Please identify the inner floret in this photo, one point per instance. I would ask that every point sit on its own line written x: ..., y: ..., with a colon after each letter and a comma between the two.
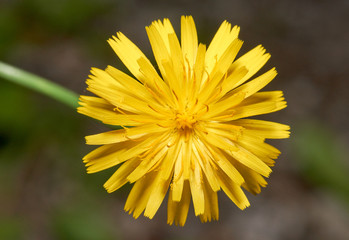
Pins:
x: 185, y: 121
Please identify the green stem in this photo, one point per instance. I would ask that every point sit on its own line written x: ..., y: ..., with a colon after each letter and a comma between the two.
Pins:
x: 39, y: 84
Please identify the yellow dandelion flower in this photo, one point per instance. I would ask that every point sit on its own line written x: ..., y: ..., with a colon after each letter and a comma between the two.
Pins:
x: 184, y: 129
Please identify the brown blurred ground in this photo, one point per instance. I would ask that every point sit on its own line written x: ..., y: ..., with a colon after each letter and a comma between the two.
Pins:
x: 45, y: 192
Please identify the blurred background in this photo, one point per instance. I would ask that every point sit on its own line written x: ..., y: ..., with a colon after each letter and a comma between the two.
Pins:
x: 45, y: 192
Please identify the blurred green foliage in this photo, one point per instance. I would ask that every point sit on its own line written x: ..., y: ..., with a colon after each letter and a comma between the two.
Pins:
x: 42, y: 141
x: 11, y: 228
x: 321, y: 157
x: 84, y: 221
x: 10, y: 29
x: 37, y: 21
x: 63, y: 15
x: 40, y: 150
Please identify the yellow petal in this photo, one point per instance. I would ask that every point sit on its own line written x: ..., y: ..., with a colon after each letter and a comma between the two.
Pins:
x: 252, y: 61
x: 213, y: 139
x: 259, y: 145
x: 124, y: 99
x: 110, y: 155
x: 228, y: 168
x: 256, y: 84
x: 189, y: 39
x: 230, y: 81
x: 220, y: 42
x: 211, y: 204
x: 154, y: 82
x: 225, y: 60
x: 129, y: 54
x: 232, y: 132
x: 138, y: 198
x: 167, y: 168
x: 164, y: 29
x: 233, y: 190
x: 271, y: 96
x: 122, y: 135
x: 219, y: 70
x: 177, y: 185
x: 157, y: 196
x: 221, y: 107
x: 158, y: 44
x: 102, y: 110
x: 176, y: 56
x: 153, y: 158
x: 243, y: 111
x: 105, y: 157
x: 132, y: 86
x: 119, y: 178
x: 196, y: 188
x: 248, y: 159
x: 264, y: 129
x: 187, y: 156
x: 177, y: 212
x: 260, y: 149
x: 199, y: 70
x: 96, y: 102
x: 204, y: 160
x: 178, y: 178
x: 253, y: 180
x: 213, y: 154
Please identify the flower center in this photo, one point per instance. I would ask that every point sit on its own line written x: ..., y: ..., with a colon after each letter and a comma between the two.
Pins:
x: 185, y: 121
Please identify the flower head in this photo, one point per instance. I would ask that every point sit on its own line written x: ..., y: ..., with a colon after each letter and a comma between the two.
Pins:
x: 184, y: 129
